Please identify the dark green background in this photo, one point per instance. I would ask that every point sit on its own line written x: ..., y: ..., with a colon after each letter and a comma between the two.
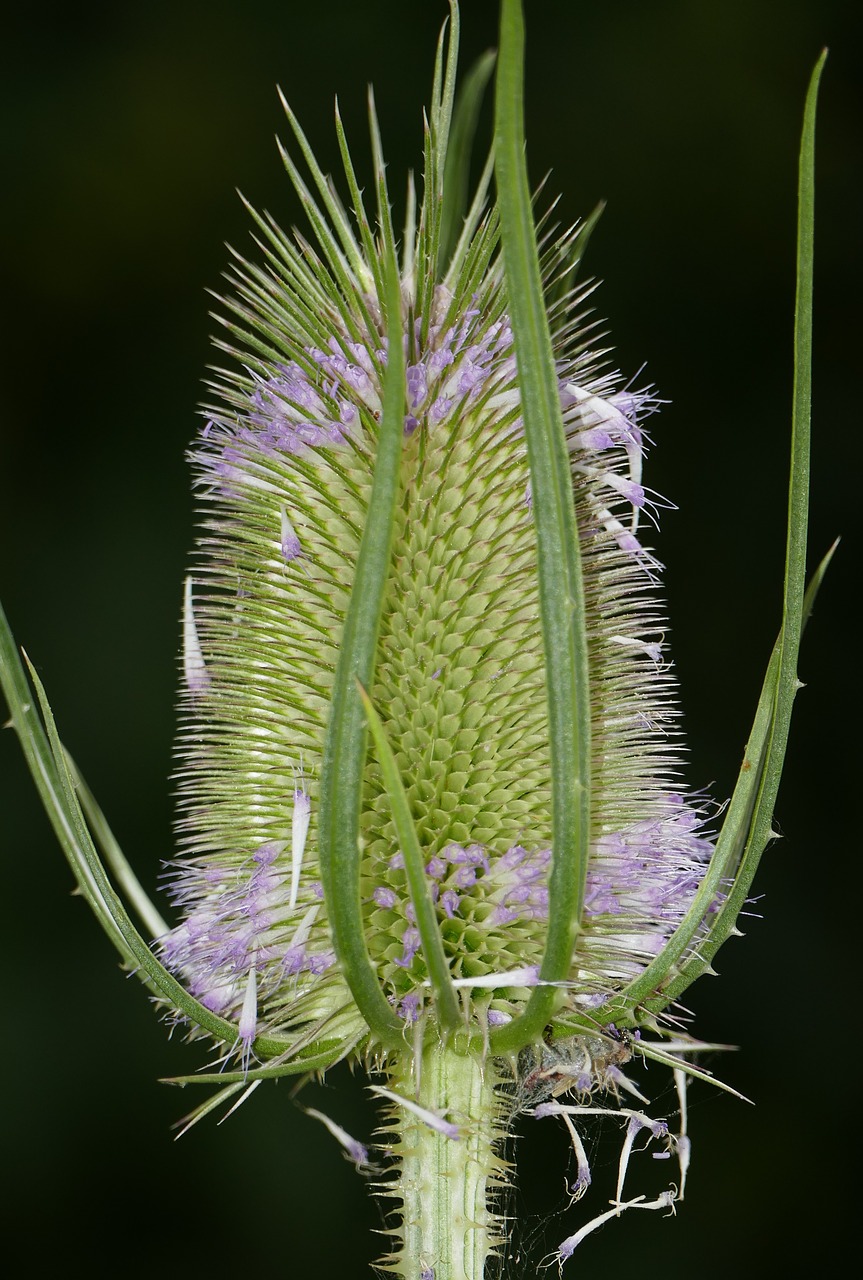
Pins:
x: 125, y: 130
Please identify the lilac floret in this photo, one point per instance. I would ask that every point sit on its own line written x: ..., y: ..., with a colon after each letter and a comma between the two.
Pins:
x: 411, y: 942
x: 497, y: 1018
x: 385, y: 897
x: 266, y: 854
x: 409, y: 1007
x: 450, y: 900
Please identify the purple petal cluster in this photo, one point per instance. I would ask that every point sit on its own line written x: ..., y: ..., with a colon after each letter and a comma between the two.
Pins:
x: 239, y: 921
x: 452, y: 367
x: 641, y: 881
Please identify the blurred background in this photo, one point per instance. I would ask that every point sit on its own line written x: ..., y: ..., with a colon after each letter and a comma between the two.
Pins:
x: 125, y: 130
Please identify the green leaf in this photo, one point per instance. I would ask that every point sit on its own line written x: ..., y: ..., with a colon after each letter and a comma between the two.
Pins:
x: 345, y: 743
x: 449, y: 1015
x: 559, y: 560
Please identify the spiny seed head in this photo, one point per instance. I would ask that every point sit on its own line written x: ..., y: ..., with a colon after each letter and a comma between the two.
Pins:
x: 283, y: 470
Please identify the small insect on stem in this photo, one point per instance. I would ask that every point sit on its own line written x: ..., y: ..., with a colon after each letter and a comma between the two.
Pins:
x: 578, y: 1063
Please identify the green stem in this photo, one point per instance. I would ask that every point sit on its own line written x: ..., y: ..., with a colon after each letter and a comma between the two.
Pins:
x: 447, y: 1184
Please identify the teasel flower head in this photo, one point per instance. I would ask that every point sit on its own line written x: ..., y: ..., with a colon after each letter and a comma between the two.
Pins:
x: 284, y: 471
x: 431, y: 815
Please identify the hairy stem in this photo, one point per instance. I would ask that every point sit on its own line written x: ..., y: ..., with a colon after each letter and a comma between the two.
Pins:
x: 448, y: 1176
